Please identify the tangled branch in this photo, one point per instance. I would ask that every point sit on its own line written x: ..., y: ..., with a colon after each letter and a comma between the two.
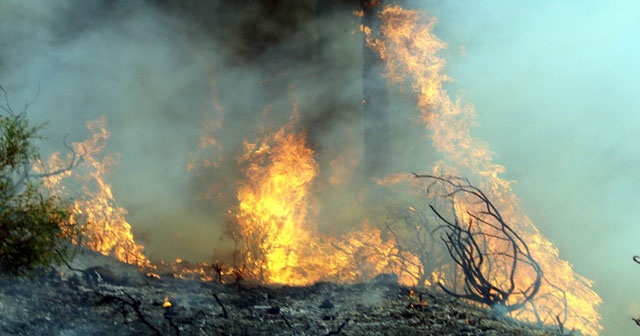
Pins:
x: 494, y: 261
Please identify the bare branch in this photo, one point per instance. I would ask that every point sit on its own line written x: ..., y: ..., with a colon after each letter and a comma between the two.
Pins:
x: 132, y: 302
x: 224, y: 310
x: 7, y: 106
x: 488, y: 252
x: 24, y: 174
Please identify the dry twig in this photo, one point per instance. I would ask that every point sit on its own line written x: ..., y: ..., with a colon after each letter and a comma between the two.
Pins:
x: 487, y: 251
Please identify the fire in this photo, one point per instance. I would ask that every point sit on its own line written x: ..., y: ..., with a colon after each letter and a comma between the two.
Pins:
x: 273, y: 203
x: 367, y: 253
x: 166, y: 304
x: 280, y: 241
x: 410, y: 51
x: 95, y: 212
x: 273, y: 224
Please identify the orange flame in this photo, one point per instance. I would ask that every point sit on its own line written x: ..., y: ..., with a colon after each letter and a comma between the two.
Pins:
x: 274, y: 202
x: 166, y: 303
x: 102, y: 222
x: 410, y: 50
x: 281, y: 241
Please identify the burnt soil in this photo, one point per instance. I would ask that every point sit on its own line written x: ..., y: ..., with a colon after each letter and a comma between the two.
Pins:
x: 117, y: 299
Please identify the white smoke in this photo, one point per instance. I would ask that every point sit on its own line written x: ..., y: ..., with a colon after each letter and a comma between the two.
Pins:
x: 154, y: 69
x: 132, y: 63
x: 555, y: 86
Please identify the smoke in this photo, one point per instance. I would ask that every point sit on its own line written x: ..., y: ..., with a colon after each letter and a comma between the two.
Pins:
x: 554, y: 85
x: 160, y: 71
x: 555, y: 88
x: 80, y: 60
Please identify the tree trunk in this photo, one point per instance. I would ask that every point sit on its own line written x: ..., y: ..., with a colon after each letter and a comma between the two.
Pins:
x: 377, y: 139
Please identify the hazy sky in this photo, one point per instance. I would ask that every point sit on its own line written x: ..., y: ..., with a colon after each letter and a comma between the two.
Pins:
x: 555, y: 85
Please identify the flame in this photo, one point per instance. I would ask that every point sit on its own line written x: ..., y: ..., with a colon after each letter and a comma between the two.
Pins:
x: 281, y: 241
x: 277, y: 234
x: 273, y: 203
x: 367, y: 253
x: 410, y: 50
x: 103, y: 223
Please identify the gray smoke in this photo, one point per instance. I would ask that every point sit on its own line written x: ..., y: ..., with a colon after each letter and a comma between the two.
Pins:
x: 128, y: 62
x: 554, y: 85
x: 158, y: 70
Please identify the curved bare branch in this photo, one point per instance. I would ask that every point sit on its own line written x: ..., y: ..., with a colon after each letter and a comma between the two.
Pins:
x: 488, y: 252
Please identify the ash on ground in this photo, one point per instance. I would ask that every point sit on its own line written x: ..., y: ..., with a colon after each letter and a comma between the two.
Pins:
x: 105, y: 297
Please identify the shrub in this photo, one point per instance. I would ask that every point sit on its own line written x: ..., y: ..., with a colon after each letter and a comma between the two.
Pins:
x: 34, y: 226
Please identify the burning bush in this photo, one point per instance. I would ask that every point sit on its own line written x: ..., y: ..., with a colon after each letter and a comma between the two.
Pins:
x: 495, y: 263
x: 412, y: 226
x: 95, y: 211
x: 33, y: 224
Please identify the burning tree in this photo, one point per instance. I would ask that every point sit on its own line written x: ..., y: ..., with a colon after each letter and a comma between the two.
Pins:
x: 496, y: 265
x: 375, y: 101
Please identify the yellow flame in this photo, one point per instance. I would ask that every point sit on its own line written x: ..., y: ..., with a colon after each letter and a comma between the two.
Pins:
x: 281, y: 241
x: 410, y: 50
x: 273, y: 203
x: 95, y: 210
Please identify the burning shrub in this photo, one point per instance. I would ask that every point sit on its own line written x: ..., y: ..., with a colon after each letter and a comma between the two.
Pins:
x: 95, y: 211
x: 33, y: 224
x: 496, y: 265
x: 420, y: 254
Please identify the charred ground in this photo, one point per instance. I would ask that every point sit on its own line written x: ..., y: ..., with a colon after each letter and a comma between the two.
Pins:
x: 109, y: 298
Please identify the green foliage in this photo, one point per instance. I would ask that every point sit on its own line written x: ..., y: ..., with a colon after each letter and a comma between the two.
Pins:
x: 34, y: 226
x: 16, y: 147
